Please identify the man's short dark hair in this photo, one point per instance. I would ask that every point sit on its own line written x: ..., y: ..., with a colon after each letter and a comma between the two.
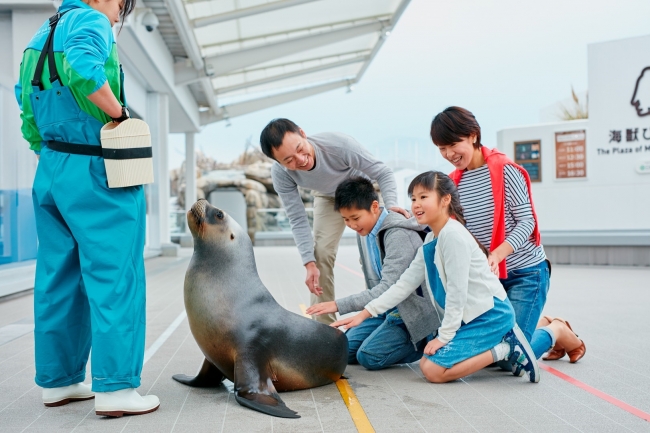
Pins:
x: 273, y: 134
x: 355, y: 193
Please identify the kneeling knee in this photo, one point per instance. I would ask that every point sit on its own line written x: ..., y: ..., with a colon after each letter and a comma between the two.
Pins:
x: 434, y: 377
x: 368, y: 361
x: 432, y: 372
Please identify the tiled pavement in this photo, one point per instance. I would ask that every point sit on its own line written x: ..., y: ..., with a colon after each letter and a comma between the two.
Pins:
x: 608, y: 307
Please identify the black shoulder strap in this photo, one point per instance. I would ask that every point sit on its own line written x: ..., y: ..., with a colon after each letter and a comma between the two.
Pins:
x: 48, y: 51
x: 382, y: 233
x: 380, y: 238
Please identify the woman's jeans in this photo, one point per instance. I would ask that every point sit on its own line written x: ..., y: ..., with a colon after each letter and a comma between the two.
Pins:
x: 382, y: 341
x: 527, y: 289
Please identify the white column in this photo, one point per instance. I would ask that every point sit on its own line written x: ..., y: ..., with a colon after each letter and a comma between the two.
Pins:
x: 186, y: 239
x: 190, y: 171
x: 158, y: 120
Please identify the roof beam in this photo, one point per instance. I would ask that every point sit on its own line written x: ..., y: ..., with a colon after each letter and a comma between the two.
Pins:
x: 398, y: 13
x: 246, y: 12
x: 287, y: 33
x: 223, y: 63
x: 246, y: 107
x: 338, y: 56
x: 185, y: 73
x: 190, y: 44
x: 292, y: 74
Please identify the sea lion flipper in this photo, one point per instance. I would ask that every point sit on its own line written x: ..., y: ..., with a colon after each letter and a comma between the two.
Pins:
x: 270, y: 404
x: 254, y: 389
x: 208, y: 376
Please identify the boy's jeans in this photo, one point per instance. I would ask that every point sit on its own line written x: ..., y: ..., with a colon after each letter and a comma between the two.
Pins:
x: 527, y: 289
x: 382, y: 341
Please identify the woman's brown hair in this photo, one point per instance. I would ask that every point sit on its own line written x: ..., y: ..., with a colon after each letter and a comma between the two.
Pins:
x: 453, y: 125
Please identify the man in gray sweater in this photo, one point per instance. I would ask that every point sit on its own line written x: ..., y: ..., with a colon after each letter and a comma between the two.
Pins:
x: 387, y: 242
x: 319, y: 162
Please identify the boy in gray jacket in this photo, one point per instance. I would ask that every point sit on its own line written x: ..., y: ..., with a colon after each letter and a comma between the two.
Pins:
x: 387, y: 244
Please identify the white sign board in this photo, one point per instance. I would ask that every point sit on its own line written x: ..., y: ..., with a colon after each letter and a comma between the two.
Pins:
x: 619, y: 108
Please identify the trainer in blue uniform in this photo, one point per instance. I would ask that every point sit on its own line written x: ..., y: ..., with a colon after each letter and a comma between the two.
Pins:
x: 90, y: 278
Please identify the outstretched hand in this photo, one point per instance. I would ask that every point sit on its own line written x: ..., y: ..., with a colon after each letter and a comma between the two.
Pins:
x: 400, y: 210
x: 322, y: 308
x: 351, y: 322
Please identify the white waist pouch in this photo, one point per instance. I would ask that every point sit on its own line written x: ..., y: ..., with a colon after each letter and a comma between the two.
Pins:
x: 126, y: 148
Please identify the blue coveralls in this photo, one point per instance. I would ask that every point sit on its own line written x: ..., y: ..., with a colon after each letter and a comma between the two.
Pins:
x: 90, y: 277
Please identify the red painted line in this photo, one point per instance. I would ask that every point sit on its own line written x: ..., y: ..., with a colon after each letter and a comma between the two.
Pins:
x: 352, y: 271
x: 608, y: 398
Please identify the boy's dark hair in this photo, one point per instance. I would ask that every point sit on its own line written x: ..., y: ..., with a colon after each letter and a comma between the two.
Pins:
x: 273, y: 134
x: 453, y: 125
x: 355, y: 193
x: 443, y: 185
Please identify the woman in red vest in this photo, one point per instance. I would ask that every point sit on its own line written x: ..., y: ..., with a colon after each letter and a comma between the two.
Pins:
x: 496, y: 196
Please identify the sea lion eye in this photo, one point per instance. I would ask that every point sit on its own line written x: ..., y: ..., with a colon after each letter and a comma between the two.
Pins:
x: 232, y: 237
x: 219, y: 214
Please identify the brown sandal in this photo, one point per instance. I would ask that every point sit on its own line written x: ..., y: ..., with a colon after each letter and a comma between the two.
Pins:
x: 554, y: 354
x: 558, y: 351
x: 574, y: 355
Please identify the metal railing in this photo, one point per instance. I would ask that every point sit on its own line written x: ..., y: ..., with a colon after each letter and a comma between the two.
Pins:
x: 276, y: 220
x: 267, y: 220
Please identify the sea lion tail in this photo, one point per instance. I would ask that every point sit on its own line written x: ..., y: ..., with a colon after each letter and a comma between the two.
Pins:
x: 208, y: 376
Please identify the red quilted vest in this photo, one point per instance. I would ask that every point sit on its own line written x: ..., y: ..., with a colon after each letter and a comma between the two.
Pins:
x: 496, y: 161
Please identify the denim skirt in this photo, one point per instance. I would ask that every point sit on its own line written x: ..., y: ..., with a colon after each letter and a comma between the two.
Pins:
x: 478, y: 336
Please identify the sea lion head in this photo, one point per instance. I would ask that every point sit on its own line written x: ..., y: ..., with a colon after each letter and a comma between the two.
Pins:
x: 212, y: 226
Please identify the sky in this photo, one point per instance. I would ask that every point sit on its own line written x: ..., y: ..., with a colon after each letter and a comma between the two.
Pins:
x: 504, y: 60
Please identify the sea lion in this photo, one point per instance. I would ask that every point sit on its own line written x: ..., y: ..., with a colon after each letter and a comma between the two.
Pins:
x: 245, y: 335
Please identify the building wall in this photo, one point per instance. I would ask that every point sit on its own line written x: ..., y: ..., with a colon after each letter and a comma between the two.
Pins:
x: 603, y: 217
x: 17, y: 162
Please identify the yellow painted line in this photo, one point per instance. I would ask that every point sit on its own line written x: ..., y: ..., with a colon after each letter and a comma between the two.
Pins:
x: 351, y: 401
x: 357, y: 413
x: 303, y: 308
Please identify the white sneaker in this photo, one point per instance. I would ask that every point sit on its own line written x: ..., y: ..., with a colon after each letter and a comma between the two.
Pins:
x: 65, y: 394
x: 124, y: 402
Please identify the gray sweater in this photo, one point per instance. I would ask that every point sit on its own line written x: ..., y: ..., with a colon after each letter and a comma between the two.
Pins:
x: 401, y: 242
x: 338, y: 157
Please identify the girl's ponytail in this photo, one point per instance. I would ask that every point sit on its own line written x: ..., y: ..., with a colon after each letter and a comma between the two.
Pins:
x: 455, y: 208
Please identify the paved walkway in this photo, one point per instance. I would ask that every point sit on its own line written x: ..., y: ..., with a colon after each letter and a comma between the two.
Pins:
x: 608, y: 391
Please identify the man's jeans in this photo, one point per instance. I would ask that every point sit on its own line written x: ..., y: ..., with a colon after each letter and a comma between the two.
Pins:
x: 382, y: 341
x: 527, y: 289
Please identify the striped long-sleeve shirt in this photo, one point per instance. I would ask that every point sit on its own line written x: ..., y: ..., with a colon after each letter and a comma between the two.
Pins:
x: 475, y: 189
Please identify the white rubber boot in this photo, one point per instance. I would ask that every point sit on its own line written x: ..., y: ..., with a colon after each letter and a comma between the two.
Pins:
x: 65, y: 394
x: 124, y: 402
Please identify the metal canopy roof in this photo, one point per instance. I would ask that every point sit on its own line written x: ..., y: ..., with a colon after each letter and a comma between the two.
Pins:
x: 254, y: 54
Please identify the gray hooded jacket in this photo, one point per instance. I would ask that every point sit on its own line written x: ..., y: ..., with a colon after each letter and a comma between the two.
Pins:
x: 400, y: 241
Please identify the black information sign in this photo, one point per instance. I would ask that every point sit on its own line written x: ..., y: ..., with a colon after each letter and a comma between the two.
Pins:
x: 528, y: 155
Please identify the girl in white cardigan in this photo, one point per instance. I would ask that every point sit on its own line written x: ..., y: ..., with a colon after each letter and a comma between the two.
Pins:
x: 477, y: 320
